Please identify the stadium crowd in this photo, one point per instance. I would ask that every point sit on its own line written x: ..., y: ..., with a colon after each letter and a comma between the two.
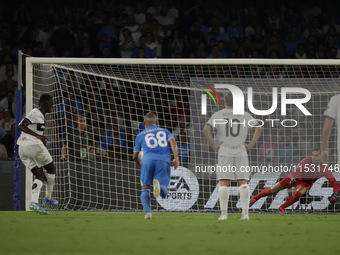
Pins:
x: 163, y: 29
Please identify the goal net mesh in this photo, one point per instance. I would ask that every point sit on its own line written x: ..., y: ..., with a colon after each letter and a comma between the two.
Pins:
x: 99, y: 174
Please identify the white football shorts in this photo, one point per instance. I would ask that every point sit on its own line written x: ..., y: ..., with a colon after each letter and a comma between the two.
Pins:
x: 34, y: 155
x: 230, y: 168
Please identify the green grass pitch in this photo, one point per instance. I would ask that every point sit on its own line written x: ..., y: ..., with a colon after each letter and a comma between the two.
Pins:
x: 167, y: 233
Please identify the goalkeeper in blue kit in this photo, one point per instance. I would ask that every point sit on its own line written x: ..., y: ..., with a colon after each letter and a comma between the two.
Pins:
x: 155, y: 143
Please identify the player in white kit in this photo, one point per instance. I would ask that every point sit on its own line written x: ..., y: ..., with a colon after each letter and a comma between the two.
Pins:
x: 332, y: 114
x: 232, y: 131
x: 34, y: 154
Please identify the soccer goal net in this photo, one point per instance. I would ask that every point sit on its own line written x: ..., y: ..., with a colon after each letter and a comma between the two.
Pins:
x: 99, y: 106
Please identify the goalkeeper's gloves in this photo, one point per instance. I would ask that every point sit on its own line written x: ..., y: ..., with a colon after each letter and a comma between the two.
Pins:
x: 332, y: 198
x: 293, y: 181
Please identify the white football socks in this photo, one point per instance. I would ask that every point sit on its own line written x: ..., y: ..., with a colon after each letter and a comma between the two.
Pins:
x: 49, y: 185
x: 245, y: 197
x: 36, y: 190
x: 223, y: 194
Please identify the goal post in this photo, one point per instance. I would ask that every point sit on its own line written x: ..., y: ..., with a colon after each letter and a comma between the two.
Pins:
x: 114, y: 94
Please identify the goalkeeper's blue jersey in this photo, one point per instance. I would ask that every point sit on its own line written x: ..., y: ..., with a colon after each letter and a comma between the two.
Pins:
x: 154, y: 141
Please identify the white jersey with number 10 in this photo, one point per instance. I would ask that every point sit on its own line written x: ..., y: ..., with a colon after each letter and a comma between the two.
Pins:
x: 232, y: 131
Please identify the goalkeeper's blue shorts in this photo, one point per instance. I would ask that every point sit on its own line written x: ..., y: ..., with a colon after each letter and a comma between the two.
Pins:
x: 155, y: 169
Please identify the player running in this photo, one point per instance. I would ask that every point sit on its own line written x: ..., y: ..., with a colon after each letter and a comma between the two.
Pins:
x: 302, y: 178
x: 232, y: 131
x: 155, y: 164
x: 34, y: 154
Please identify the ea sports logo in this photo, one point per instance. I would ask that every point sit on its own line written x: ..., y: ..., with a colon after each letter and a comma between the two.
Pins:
x: 183, y: 190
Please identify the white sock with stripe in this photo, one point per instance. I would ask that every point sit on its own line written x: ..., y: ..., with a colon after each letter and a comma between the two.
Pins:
x: 223, y: 194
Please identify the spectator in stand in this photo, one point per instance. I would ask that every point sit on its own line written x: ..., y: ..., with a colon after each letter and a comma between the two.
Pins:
x: 217, y: 34
x: 150, y: 42
x: 62, y: 39
x: 148, y: 53
x: 139, y: 13
x: 241, y: 53
x: 313, y: 29
x: 195, y: 37
x: 147, y: 25
x: 200, y: 51
x: 106, y: 140
x: 8, y: 84
x: 311, y: 54
x: 182, y: 126
x: 179, y: 106
x: 7, y: 121
x: 331, y: 23
x: 81, y: 37
x: 332, y: 42
x: 8, y: 141
x: 159, y: 34
x: 127, y: 44
x: 74, y: 103
x: 184, y: 147
x: 258, y: 41
x: 292, y: 42
x: 79, y: 142
x: 8, y: 64
x: 22, y: 34
x: 42, y: 33
x: 133, y: 28
x: 2, y: 130
x: 234, y: 44
x: 274, y: 18
x: 155, y: 8
x: 235, y: 30
x: 215, y: 23
x: 321, y: 51
x: 165, y: 20
x: 176, y: 42
x: 333, y: 53
x: 8, y: 103
x: 274, y: 45
x: 222, y: 50
x: 112, y: 143
x: 300, y: 53
x: 106, y: 53
x: 201, y: 24
x: 108, y: 35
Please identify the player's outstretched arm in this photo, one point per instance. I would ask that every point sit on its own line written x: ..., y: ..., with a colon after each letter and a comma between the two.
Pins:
x: 255, y: 138
x: 136, y: 158
x: 326, y: 133
x: 174, y: 148
x: 23, y: 126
